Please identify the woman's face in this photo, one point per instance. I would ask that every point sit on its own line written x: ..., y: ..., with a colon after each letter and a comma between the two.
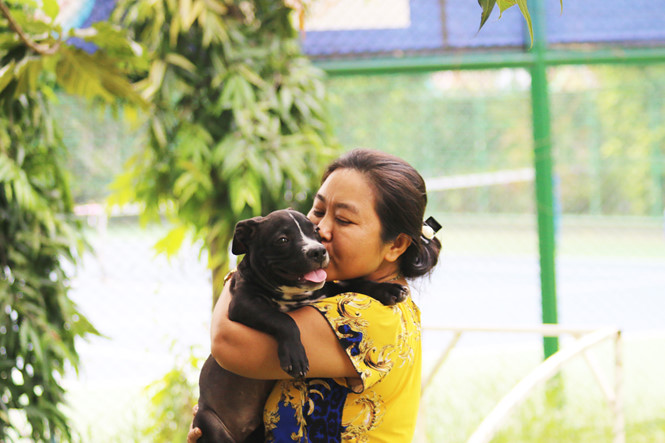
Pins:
x: 350, y: 228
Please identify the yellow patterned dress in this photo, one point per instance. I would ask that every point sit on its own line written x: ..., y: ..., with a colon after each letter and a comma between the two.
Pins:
x: 383, y: 343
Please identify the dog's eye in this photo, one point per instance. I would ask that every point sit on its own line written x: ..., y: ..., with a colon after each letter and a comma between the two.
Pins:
x: 282, y: 240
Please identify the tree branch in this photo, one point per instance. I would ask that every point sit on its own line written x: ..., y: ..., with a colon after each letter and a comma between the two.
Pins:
x: 39, y: 48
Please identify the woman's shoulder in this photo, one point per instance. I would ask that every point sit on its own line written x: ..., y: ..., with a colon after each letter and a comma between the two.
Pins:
x: 364, y: 310
x: 352, y: 301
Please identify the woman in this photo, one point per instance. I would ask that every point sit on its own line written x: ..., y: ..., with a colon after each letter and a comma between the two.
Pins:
x: 364, y: 358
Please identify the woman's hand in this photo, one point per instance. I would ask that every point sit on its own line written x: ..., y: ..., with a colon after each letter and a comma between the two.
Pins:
x: 194, y: 433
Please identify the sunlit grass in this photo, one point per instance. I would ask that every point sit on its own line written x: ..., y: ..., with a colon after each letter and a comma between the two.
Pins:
x: 473, y: 381
x: 505, y: 234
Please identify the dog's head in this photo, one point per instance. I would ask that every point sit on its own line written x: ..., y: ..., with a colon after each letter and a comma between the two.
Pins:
x: 284, y: 252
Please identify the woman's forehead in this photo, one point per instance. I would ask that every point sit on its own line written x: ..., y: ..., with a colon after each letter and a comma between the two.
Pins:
x: 346, y: 184
x: 349, y: 206
x: 346, y: 189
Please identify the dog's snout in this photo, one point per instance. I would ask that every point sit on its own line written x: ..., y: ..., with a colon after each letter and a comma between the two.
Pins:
x: 317, y: 253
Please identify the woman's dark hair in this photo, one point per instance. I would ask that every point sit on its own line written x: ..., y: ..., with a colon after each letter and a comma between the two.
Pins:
x: 401, y: 198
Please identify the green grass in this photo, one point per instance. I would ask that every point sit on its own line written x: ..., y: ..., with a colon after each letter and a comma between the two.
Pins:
x: 501, y: 234
x: 472, y: 382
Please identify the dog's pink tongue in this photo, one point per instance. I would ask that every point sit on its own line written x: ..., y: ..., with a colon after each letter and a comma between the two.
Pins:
x: 317, y: 276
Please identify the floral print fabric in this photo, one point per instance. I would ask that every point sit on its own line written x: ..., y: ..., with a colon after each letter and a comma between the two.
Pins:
x: 381, y: 405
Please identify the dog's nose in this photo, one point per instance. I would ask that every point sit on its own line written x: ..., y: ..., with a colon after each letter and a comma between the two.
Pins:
x: 317, y: 254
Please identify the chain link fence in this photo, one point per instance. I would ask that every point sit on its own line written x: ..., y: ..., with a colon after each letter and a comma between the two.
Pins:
x: 469, y: 133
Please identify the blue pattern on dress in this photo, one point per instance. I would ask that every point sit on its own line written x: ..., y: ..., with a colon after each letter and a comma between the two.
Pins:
x: 324, y: 423
x: 288, y: 425
x: 350, y: 339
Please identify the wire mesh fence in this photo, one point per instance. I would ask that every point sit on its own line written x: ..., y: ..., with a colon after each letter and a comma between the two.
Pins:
x: 469, y: 133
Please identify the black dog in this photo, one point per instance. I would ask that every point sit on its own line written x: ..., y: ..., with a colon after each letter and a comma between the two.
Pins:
x: 282, y: 270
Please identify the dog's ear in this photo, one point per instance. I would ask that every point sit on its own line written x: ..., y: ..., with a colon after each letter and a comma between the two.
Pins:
x: 243, y: 234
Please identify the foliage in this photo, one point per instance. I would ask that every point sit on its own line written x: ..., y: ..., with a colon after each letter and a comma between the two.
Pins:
x: 40, y: 238
x: 238, y: 125
x: 487, y: 6
x: 608, y: 144
x: 610, y: 152
x: 171, y: 400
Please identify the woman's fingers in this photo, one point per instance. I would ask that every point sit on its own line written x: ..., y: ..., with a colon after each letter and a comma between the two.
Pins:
x: 194, y: 433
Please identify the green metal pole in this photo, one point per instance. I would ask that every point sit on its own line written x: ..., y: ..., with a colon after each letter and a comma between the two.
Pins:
x: 489, y: 60
x: 543, y: 166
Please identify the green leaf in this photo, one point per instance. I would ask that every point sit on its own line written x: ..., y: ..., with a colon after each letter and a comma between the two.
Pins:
x: 51, y: 8
x: 505, y: 4
x: 487, y: 6
x: 251, y: 76
x: 186, y: 14
x: 244, y: 191
x: 525, y: 12
x: 158, y: 131
x: 170, y: 244
x: 179, y: 60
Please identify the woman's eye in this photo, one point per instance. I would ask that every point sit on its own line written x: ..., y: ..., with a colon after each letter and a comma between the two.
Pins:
x: 318, y: 214
x: 343, y: 222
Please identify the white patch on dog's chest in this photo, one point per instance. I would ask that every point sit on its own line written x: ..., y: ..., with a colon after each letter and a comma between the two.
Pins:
x: 294, y: 298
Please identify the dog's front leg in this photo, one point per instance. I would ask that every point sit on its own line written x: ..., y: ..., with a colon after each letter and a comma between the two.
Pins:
x: 257, y: 313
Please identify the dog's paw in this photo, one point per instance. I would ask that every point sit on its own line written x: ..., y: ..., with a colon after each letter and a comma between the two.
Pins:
x: 293, y: 359
x: 390, y: 293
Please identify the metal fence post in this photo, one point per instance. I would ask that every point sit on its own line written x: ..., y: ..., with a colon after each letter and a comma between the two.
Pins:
x: 543, y: 165
x: 619, y: 426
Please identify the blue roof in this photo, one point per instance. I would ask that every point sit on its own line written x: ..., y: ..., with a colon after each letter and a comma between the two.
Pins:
x: 451, y: 25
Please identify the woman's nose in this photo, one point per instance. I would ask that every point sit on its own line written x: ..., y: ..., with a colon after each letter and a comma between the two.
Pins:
x: 323, y: 228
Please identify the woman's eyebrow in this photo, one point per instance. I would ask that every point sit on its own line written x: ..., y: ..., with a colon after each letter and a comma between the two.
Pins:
x: 339, y: 205
x: 348, y: 207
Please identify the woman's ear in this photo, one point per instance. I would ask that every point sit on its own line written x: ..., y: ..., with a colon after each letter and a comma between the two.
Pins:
x: 397, y: 247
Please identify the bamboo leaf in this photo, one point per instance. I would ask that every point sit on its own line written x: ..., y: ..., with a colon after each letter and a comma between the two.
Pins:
x: 198, y: 9
x: 186, y: 14
x: 180, y: 61
x: 251, y: 76
x: 174, y: 31
x: 158, y: 131
x: 6, y: 75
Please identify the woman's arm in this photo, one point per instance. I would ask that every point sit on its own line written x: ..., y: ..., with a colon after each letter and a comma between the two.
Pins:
x: 248, y: 352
